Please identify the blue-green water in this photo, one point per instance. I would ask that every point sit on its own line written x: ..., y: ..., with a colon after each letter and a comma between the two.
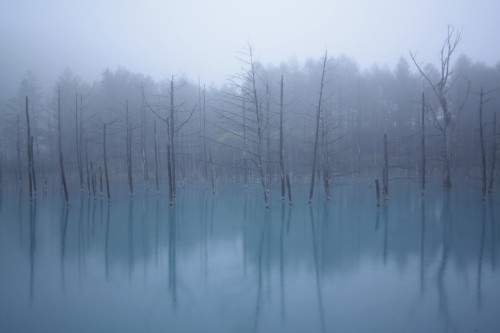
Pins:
x: 225, y: 264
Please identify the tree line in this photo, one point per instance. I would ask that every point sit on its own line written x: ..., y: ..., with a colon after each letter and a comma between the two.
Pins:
x: 315, y: 123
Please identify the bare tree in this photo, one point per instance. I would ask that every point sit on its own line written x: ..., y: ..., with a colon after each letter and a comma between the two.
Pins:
x: 105, y: 157
x: 129, y: 152
x: 250, y: 128
x: 18, y: 149
x: 316, y: 135
x: 144, y: 155
x: 325, y: 154
x: 385, y: 170
x: 204, y: 135
x: 481, y: 141
x: 172, y: 136
x: 281, y: 152
x: 59, y: 145
x: 173, y: 128
x: 78, y: 144
x: 422, y: 146
x: 31, y: 162
x: 156, y: 158
x: 440, y: 89
x: 493, y: 152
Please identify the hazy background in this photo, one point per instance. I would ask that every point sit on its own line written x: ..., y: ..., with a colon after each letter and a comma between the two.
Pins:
x: 202, y: 38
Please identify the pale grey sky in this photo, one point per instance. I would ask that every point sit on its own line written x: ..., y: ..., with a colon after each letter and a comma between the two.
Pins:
x: 196, y: 37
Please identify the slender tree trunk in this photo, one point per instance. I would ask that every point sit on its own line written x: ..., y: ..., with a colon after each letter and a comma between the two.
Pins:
x: 87, y: 167
x: 31, y: 162
x: 245, y: 171
x: 100, y: 182
x: 18, y: 147
x: 493, y: 152
x: 93, y: 179
x: 33, y: 174
x: 156, y: 159
x: 77, y: 140
x: 268, y: 138
x: 422, y: 121
x: 105, y: 162
x: 212, y: 176
x: 143, y: 143
x: 289, y: 188
x: 129, y: 154
x: 385, y: 170
x: 28, y: 142
x: 80, y: 138
x: 358, y: 129
x: 377, y: 192
x: 318, y: 116
x: 59, y: 141
x: 324, y: 157
x: 172, y: 137
x: 481, y: 137
x: 205, y: 168
x: 170, y: 176
x: 447, y: 143
x: 260, y: 132
x: 282, y: 163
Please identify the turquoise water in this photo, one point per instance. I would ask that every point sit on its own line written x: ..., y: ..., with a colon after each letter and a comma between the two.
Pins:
x: 223, y: 263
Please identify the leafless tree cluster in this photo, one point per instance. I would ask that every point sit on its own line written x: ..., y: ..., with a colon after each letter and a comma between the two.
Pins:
x: 276, y: 127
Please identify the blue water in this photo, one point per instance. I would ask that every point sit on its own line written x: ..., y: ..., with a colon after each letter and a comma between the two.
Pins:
x: 224, y: 263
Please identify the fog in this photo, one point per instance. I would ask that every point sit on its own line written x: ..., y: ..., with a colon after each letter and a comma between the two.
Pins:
x: 227, y: 166
x: 202, y: 38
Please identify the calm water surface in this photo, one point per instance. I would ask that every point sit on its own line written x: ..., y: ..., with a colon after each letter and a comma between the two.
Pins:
x: 224, y: 264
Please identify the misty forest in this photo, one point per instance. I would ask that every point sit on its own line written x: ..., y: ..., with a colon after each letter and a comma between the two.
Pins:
x: 314, y: 196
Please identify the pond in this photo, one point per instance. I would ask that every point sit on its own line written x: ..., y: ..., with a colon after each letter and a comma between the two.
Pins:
x: 224, y: 263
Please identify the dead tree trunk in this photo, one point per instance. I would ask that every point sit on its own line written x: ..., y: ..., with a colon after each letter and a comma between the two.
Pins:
x: 260, y: 132
x: 212, y: 176
x: 422, y: 124
x: 105, y: 161
x: 481, y: 138
x: 289, y: 188
x: 440, y: 89
x: 59, y: 145
x: 316, y: 136
x: 129, y: 154
x: 144, y: 155
x: 31, y: 167
x: 156, y: 159
x: 493, y: 152
x: 78, y: 148
x: 268, y: 137
x: 205, y: 133
x: 101, y: 190
x: 18, y: 148
x: 172, y: 136
x: 80, y: 134
x: 33, y: 174
x: 385, y: 170
x: 87, y: 167
x: 169, y: 168
x: 30, y: 176
x: 245, y: 166
x: 93, y: 179
x: 377, y: 192
x: 324, y: 156
x: 282, y: 163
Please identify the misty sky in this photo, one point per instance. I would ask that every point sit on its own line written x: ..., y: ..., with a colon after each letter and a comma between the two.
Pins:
x: 196, y: 37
